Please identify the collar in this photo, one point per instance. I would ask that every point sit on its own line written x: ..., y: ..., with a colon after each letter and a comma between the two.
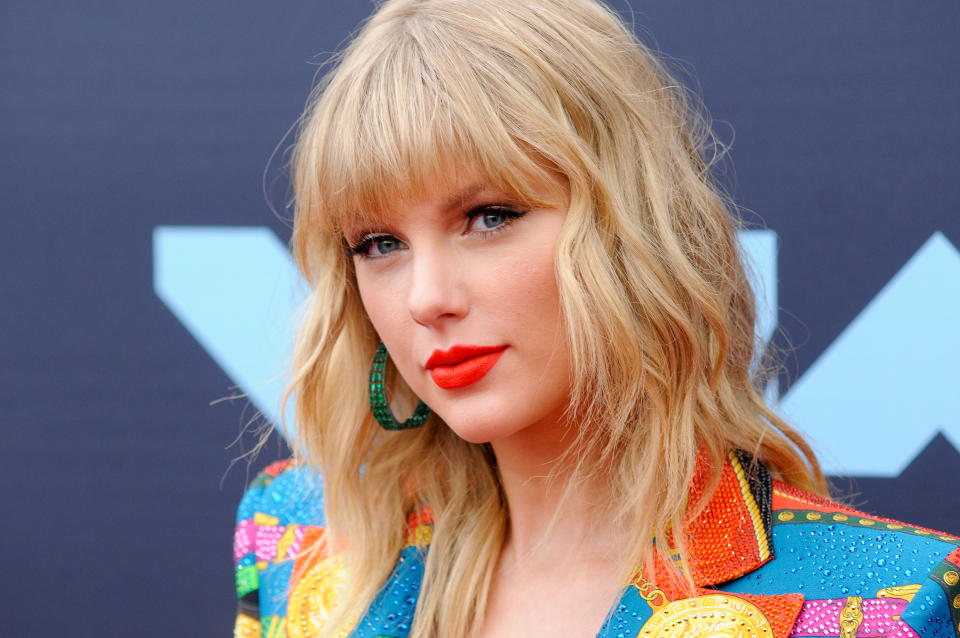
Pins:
x: 730, y: 535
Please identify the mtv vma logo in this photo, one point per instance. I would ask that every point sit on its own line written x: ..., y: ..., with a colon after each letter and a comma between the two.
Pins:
x: 870, y: 402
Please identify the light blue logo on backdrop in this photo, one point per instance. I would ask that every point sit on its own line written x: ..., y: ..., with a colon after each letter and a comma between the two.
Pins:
x: 237, y: 291
x: 878, y: 394
x: 870, y: 403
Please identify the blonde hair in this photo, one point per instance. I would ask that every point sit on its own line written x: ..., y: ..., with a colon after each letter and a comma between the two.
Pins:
x: 657, y: 308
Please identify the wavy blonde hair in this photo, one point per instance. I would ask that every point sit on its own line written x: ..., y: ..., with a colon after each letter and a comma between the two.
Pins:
x: 657, y: 307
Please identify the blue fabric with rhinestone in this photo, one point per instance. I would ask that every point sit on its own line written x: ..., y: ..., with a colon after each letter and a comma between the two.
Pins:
x: 294, y: 496
x: 628, y: 616
x: 834, y: 561
x: 392, y: 611
x: 274, y: 588
x: 822, y: 561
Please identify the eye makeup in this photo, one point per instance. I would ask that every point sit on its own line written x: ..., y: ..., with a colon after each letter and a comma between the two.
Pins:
x: 484, y: 221
x: 383, y: 242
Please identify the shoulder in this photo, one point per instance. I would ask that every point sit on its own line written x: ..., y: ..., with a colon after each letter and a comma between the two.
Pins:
x: 837, y: 523
x: 282, y: 493
x: 280, y: 514
x: 869, y: 568
x: 288, y: 581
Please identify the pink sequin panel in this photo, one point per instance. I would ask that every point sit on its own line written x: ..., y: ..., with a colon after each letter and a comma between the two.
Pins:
x: 243, y: 538
x: 822, y: 618
x: 266, y: 542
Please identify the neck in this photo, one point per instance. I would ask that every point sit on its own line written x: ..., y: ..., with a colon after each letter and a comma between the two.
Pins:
x: 551, y: 512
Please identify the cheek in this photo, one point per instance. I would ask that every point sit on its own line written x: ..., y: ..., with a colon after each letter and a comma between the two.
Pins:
x: 384, y: 306
x: 527, y: 285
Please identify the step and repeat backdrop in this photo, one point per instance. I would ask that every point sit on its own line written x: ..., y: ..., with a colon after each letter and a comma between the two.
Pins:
x: 149, y: 298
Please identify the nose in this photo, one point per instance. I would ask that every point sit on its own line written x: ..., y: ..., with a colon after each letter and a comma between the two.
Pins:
x: 436, y: 293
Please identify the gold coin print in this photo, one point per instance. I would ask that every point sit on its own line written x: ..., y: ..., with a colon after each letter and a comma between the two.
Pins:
x: 313, y: 599
x: 715, y: 615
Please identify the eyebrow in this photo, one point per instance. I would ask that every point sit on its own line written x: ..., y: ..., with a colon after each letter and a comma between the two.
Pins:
x: 458, y: 198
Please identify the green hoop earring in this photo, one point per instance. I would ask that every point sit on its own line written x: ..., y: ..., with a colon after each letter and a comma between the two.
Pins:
x: 378, y: 401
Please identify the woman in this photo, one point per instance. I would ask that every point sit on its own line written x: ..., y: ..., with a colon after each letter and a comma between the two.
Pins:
x: 513, y: 200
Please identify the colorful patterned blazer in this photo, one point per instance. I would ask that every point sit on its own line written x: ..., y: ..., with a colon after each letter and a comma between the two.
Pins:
x: 769, y: 559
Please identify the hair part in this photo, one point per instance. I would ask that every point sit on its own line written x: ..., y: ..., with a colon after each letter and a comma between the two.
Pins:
x: 657, y: 307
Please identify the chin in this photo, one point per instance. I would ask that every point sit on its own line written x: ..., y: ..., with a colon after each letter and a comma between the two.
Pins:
x: 479, y: 431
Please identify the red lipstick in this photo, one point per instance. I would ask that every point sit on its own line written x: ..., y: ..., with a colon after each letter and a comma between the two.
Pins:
x: 461, y: 365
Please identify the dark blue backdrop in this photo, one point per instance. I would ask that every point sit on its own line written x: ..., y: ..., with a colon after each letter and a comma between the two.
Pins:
x: 119, y: 117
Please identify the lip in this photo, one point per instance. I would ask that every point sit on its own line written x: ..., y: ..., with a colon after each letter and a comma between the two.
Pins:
x: 462, y: 365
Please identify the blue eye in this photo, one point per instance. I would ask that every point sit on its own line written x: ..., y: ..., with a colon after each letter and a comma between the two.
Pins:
x: 492, y: 218
x: 384, y: 245
x: 376, y: 246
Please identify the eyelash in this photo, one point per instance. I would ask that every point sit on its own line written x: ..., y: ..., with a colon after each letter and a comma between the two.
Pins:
x: 510, y: 214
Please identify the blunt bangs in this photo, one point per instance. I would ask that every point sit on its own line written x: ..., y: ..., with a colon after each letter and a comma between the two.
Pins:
x: 415, y: 114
